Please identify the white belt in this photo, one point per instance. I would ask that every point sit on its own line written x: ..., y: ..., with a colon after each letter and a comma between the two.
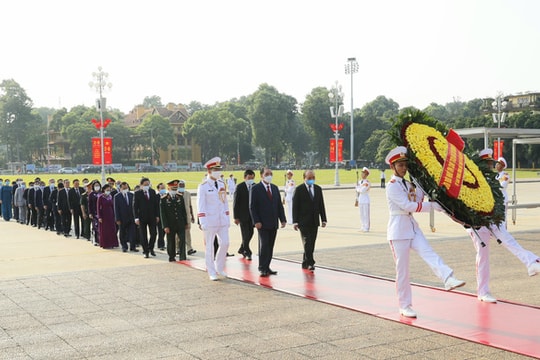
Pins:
x: 398, y: 212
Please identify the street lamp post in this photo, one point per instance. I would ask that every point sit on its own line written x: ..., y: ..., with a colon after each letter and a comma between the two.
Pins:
x: 336, y: 112
x: 99, y: 83
x: 498, y: 117
x: 351, y: 67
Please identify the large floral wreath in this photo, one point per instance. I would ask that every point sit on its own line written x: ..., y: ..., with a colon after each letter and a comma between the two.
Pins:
x: 465, y: 187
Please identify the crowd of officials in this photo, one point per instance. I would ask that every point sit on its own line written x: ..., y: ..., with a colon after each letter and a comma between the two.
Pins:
x: 109, y: 215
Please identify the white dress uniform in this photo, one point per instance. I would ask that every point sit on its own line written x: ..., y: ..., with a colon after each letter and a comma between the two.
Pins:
x: 503, y: 179
x: 362, y: 189
x: 231, y: 186
x: 290, y: 186
x: 213, y: 214
x: 404, y: 234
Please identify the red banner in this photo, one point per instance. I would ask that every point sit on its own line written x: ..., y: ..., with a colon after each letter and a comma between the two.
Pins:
x: 96, y: 150
x: 498, y: 149
x: 333, y: 150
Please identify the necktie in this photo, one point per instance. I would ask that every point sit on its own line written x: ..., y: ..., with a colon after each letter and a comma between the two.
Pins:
x: 311, y: 192
x: 269, y: 192
x: 215, y: 184
x: 126, y: 197
x: 146, y: 194
x: 404, y: 184
x: 77, y: 191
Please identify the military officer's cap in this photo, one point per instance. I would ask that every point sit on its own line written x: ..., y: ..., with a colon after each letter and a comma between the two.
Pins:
x: 173, y: 183
x: 503, y: 162
x: 365, y: 169
x: 486, y: 154
x: 110, y: 179
x: 289, y: 172
x: 213, y: 163
x: 396, y: 154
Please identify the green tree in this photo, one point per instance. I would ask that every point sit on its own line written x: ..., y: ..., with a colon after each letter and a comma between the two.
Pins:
x: 271, y: 114
x: 152, y: 101
x: 157, y: 131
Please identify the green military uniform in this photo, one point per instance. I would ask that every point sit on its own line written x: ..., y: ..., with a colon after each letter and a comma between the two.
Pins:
x: 174, y: 218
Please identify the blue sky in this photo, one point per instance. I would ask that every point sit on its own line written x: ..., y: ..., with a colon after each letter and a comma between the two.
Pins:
x: 414, y: 52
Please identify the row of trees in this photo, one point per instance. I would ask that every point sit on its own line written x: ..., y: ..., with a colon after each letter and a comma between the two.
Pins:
x: 267, y: 125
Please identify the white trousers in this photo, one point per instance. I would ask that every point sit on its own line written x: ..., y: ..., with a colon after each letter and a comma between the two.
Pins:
x: 482, y: 253
x: 401, y: 251
x: 289, y: 211
x: 364, y: 216
x: 213, y: 266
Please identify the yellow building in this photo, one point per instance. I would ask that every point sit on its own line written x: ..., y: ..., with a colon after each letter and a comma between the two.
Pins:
x: 183, y: 151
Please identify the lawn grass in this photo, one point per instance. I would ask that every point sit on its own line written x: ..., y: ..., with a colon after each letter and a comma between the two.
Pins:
x: 194, y: 178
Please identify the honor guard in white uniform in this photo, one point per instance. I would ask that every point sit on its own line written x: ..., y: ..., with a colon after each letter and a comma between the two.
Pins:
x: 503, y: 178
x: 290, y: 186
x: 482, y: 236
x: 231, y: 186
x: 404, y: 233
x: 362, y: 190
x: 213, y: 214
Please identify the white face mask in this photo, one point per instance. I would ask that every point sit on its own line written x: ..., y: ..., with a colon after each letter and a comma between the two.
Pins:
x: 107, y: 192
x: 250, y: 181
x: 125, y: 191
x: 97, y: 188
x: 268, y: 179
x: 172, y: 192
x: 216, y: 174
x: 146, y: 188
x: 52, y: 186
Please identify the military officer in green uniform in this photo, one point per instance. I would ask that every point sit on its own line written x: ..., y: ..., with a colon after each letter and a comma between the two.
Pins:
x: 174, y: 220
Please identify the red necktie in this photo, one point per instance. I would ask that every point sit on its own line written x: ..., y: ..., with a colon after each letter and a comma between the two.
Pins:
x: 269, y: 192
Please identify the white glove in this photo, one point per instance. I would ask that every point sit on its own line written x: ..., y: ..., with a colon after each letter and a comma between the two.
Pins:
x: 436, y: 206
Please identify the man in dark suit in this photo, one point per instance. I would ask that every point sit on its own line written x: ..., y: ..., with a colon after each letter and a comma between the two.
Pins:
x: 123, y: 213
x: 74, y: 198
x: 63, y: 207
x: 241, y: 213
x: 54, y: 203
x: 48, y: 217
x: 308, y: 208
x: 146, y: 213
x: 267, y: 212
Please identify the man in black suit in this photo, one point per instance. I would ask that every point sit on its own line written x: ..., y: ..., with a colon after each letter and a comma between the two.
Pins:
x: 241, y: 213
x: 74, y: 198
x: 267, y: 212
x: 63, y: 207
x: 123, y: 213
x: 54, y: 203
x: 48, y: 217
x: 308, y: 209
x: 146, y: 213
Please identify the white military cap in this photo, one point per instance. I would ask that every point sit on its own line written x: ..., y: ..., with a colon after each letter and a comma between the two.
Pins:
x: 396, y: 154
x: 365, y: 169
x: 213, y: 163
x: 486, y: 154
x: 503, y: 161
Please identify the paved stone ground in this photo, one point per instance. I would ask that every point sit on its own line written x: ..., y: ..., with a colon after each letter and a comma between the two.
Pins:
x: 65, y: 299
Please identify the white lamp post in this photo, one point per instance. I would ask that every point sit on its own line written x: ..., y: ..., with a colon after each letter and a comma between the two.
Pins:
x: 351, y: 67
x: 498, y: 117
x: 99, y: 84
x: 336, y: 112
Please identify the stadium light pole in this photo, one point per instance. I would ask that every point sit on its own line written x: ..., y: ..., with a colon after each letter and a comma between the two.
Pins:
x: 99, y: 84
x: 351, y: 67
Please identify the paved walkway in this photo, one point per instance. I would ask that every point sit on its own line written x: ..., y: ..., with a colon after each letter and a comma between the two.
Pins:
x: 66, y: 299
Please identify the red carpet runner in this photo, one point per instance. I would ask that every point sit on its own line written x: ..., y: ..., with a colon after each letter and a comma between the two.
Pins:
x: 504, y: 325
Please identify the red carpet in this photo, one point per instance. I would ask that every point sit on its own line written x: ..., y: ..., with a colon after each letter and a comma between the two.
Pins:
x: 508, y: 326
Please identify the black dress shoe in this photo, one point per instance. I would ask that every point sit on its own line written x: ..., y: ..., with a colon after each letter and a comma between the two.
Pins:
x: 134, y: 250
x: 146, y: 255
x: 272, y: 272
x: 152, y: 253
x: 264, y: 273
x: 191, y: 252
x: 228, y: 255
x: 172, y: 259
x: 304, y: 267
x: 124, y: 250
x: 161, y: 248
x: 248, y: 257
x: 312, y: 267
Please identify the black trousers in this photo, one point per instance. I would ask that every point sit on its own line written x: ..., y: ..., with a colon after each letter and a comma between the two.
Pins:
x: 57, y: 220
x: 161, y: 237
x: 145, y: 227
x: 127, y: 235
x: 77, y: 221
x: 33, y: 215
x: 85, y: 232
x: 246, y: 229
x: 267, y: 239
x: 309, y: 235
x: 49, y: 218
x: 171, y: 243
x: 66, y: 221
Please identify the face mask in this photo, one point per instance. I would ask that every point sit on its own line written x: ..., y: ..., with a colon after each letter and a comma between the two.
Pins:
x: 97, y: 188
x: 51, y: 186
x: 125, y: 191
x: 268, y: 179
x: 146, y: 188
x: 172, y: 192
x: 1, y: 183
x: 250, y: 181
x: 181, y: 190
x: 18, y: 182
x: 36, y: 187
x: 107, y: 192
x: 23, y: 186
x: 216, y: 174
x: 84, y: 184
x: 162, y: 192
x: 310, y: 181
